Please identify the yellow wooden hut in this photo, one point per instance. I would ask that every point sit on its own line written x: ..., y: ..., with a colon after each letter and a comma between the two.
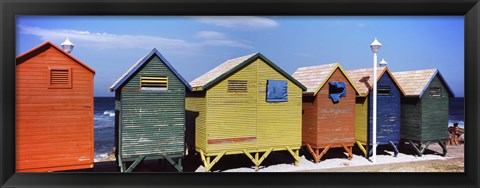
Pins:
x: 246, y: 105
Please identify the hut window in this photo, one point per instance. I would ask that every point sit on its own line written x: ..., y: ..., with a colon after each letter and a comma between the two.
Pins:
x: 60, y: 78
x: 277, y: 91
x: 383, y: 90
x: 336, y: 91
x: 154, y: 83
x: 434, y: 91
x: 237, y: 85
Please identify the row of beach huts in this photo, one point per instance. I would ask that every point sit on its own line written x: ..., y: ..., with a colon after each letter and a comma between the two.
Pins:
x: 245, y: 106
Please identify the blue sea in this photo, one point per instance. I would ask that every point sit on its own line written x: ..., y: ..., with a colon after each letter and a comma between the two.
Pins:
x: 456, y: 112
x: 105, y: 122
x: 104, y: 126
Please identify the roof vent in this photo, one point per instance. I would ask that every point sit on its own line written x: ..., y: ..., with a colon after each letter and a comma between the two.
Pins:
x: 67, y: 46
x: 383, y: 63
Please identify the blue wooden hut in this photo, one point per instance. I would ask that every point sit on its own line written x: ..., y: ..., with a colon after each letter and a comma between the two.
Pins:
x: 389, y: 94
x: 424, y: 109
x: 150, y: 112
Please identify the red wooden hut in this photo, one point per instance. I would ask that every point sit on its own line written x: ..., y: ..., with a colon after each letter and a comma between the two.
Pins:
x: 54, y: 111
x: 328, y: 118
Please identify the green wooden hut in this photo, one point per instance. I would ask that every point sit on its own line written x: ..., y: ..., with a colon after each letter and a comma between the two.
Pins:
x: 150, y: 112
x: 424, y: 109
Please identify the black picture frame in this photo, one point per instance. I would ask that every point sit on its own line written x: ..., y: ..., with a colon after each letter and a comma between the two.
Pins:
x: 9, y: 9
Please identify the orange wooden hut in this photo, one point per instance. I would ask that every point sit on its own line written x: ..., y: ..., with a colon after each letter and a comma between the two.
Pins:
x: 54, y: 111
x: 328, y: 118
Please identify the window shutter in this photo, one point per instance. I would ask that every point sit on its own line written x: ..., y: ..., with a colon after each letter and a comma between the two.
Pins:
x: 60, y: 78
x: 154, y: 82
x: 337, y: 90
x: 435, y: 92
x: 277, y: 91
x: 237, y: 85
x: 383, y: 91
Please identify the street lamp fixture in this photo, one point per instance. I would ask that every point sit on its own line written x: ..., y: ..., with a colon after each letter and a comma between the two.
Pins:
x: 67, y: 46
x: 375, y: 47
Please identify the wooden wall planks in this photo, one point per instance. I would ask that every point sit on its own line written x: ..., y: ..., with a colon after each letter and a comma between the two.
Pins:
x: 426, y: 118
x: 54, y: 126
x: 151, y: 123
x: 335, y: 122
x: 388, y: 113
x: 247, y: 114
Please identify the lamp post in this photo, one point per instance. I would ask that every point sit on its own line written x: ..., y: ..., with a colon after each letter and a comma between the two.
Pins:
x: 375, y: 47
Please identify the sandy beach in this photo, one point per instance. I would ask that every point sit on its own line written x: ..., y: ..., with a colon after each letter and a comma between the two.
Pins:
x: 453, y: 162
x: 337, y: 162
x: 334, y: 161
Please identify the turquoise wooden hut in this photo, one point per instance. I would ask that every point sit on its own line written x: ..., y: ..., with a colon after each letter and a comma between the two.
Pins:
x: 150, y: 112
x: 424, y: 109
x: 389, y: 95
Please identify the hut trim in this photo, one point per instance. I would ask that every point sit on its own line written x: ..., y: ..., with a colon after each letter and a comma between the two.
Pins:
x: 415, y: 83
x: 139, y: 64
x: 366, y: 86
x: 230, y: 67
x: 315, y: 79
x: 28, y: 54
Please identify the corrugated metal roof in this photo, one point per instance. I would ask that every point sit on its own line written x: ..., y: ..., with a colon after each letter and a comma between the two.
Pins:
x: 48, y: 43
x: 414, y: 82
x: 230, y: 67
x: 139, y: 64
x: 314, y: 77
x: 362, y: 78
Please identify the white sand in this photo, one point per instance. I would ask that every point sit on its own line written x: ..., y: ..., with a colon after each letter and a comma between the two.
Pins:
x: 357, y: 160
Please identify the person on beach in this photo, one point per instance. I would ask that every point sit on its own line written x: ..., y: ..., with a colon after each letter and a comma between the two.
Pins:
x: 454, y: 133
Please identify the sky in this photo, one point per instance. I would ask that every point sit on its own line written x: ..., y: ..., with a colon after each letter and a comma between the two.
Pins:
x: 197, y: 44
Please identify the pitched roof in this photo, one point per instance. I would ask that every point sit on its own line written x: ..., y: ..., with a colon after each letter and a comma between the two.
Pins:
x: 218, y: 71
x: 414, y: 83
x: 135, y: 67
x: 362, y: 78
x: 231, y: 66
x: 314, y: 77
x: 28, y: 54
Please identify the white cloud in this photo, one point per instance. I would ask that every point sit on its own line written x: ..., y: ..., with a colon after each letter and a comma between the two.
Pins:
x: 106, y: 40
x: 213, y: 38
x: 109, y: 41
x: 239, y: 22
x: 211, y: 35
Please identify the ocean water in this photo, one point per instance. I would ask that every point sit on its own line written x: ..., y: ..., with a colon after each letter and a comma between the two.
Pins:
x: 104, y: 118
x: 456, y: 112
x: 104, y: 126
